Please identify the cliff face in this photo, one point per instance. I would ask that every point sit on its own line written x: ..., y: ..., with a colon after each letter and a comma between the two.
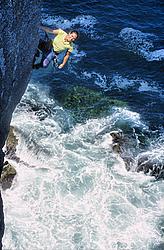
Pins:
x: 18, y: 40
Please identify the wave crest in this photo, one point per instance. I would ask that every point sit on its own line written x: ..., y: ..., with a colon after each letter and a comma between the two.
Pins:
x: 141, y: 43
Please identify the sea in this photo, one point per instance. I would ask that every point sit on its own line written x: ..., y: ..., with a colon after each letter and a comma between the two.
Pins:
x: 72, y: 191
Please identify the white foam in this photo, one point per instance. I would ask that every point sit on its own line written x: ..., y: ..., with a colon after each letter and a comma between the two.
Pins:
x: 157, y: 55
x: 84, y: 23
x: 141, y: 43
x: 146, y: 87
x: 99, y: 79
x: 122, y: 82
x: 119, y: 82
x: 132, y: 119
x: 79, y: 194
x: 76, y: 56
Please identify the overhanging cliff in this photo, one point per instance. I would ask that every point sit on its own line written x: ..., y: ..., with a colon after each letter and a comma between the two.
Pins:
x: 18, y: 40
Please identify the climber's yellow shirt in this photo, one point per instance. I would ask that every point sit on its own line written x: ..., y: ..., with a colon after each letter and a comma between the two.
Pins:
x: 59, y: 44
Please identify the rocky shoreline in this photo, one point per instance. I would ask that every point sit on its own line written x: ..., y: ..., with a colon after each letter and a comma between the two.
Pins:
x: 143, y: 162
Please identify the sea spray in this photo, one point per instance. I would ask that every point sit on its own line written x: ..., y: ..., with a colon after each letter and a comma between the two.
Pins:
x: 77, y: 192
x: 141, y: 43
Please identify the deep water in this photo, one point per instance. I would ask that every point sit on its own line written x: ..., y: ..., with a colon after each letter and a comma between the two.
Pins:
x: 72, y: 191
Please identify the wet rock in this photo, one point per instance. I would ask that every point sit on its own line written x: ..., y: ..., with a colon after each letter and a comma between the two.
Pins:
x: 150, y: 164
x: 117, y: 140
x: 7, y: 175
x: 160, y: 174
x: 42, y: 111
x: 116, y: 147
x: 128, y: 160
x: 117, y: 136
x: 11, y: 144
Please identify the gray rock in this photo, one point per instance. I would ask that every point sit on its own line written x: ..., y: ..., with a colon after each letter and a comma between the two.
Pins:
x: 117, y: 135
x: 151, y: 164
x: 116, y: 147
x: 18, y: 41
x: 11, y: 144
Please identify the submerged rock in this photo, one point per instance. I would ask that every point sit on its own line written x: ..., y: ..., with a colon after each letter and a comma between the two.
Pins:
x: 7, y: 175
x: 85, y: 103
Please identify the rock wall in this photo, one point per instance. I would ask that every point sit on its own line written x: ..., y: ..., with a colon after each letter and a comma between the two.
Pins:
x: 19, y: 21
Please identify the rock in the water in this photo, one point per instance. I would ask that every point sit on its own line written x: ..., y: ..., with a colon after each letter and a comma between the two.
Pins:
x: 117, y: 140
x: 11, y: 144
x: 117, y: 135
x: 116, y: 147
x: 150, y: 164
x: 85, y: 103
x: 7, y: 175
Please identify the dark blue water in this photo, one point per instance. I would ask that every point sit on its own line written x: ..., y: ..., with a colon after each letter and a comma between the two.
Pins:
x: 109, y: 55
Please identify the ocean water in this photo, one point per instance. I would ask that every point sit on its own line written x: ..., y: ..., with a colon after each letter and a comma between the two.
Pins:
x: 72, y: 192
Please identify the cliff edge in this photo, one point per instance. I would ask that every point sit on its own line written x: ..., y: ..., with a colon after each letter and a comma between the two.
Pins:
x: 18, y: 41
